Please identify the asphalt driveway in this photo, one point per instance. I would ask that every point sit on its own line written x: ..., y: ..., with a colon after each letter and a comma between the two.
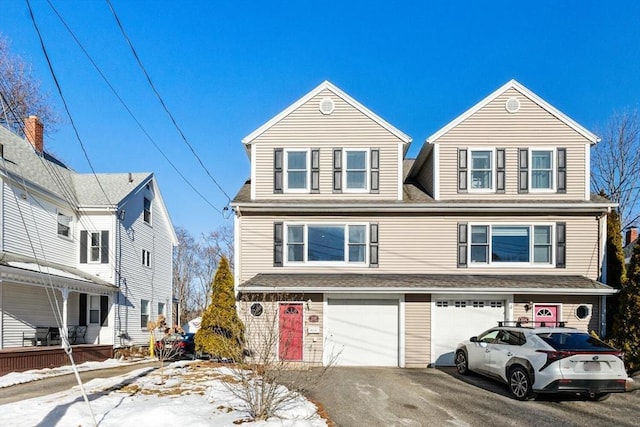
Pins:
x: 437, y: 397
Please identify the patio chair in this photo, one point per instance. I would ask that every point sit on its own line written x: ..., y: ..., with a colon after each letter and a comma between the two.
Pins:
x: 71, y: 334
x: 40, y: 336
x: 54, y: 336
x: 81, y: 331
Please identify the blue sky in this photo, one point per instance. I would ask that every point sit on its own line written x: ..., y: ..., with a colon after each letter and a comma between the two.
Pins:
x: 225, y: 68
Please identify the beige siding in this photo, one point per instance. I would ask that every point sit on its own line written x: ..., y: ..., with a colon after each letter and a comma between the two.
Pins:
x: 262, y: 332
x: 417, y: 330
x: 346, y: 127
x: 493, y: 127
x: 417, y: 245
x: 568, y: 305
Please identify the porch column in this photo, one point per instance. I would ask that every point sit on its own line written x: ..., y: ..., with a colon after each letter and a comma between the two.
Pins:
x: 64, y: 331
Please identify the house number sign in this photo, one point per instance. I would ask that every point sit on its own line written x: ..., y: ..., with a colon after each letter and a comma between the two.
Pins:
x: 314, y: 318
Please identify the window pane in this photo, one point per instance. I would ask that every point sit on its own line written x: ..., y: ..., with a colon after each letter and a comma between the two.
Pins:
x: 297, y: 179
x: 297, y: 160
x: 510, y: 244
x: 326, y: 243
x: 541, y: 179
x: 357, y: 233
x: 356, y: 253
x: 541, y: 159
x: 95, y: 254
x: 481, y: 159
x: 480, y: 179
x: 356, y: 179
x: 542, y: 254
x: 356, y: 160
x: 480, y: 253
x: 542, y: 235
x: 95, y: 239
x: 295, y: 233
x: 479, y: 234
x: 295, y: 253
x: 94, y: 316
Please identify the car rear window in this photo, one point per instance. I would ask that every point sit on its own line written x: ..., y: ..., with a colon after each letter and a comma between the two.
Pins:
x: 574, y: 341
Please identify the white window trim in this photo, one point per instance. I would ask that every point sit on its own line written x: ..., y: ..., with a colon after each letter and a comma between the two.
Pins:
x: 90, y: 246
x: 150, y: 199
x: 492, y: 173
x: 70, y: 236
x: 93, y: 297
x: 554, y: 170
x: 305, y: 262
x: 146, y: 258
x: 145, y: 313
x: 367, y: 172
x: 491, y: 264
x: 285, y: 170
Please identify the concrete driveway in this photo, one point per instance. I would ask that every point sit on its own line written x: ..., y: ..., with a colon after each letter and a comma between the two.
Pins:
x: 436, y: 397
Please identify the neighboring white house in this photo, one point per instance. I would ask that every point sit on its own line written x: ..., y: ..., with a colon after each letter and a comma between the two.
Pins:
x: 79, y: 249
x: 389, y: 261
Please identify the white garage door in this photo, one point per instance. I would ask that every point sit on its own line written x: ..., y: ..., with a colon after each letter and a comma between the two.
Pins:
x: 454, y: 321
x: 362, y: 332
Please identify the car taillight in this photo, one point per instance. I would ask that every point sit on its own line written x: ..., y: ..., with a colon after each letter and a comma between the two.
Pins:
x: 181, y: 344
x: 554, y: 355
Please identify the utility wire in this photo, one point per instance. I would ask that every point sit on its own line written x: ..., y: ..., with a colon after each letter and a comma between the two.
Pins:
x: 126, y: 107
x: 166, y: 109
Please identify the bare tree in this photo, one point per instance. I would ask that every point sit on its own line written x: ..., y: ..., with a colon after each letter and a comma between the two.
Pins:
x: 185, y: 266
x: 615, y: 165
x: 212, y: 248
x: 20, y: 94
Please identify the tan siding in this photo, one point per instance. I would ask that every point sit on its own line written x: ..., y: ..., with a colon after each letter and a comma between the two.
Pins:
x: 417, y: 310
x: 262, y: 332
x: 568, y: 307
x: 417, y: 245
x: 346, y: 127
x: 493, y: 126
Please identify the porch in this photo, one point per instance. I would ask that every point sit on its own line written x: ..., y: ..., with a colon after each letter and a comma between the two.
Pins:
x: 18, y: 359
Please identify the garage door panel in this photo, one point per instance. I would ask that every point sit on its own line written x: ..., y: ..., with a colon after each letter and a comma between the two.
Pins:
x: 458, y: 320
x: 362, y: 332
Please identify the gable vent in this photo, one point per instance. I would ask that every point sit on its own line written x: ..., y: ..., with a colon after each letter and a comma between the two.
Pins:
x: 327, y: 106
x: 512, y: 105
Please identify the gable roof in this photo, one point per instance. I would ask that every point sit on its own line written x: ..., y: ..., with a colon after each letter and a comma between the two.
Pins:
x: 322, y: 86
x: 512, y: 84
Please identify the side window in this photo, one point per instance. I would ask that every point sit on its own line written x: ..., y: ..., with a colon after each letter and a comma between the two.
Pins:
x: 356, y: 170
x: 144, y: 313
x: 147, y: 210
x: 94, y: 309
x: 489, y: 336
x: 146, y: 258
x: 541, y: 170
x: 64, y: 225
x: 511, y: 338
x: 297, y: 169
x: 481, y: 170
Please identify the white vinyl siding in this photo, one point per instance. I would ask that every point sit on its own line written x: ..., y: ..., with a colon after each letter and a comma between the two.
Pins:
x: 531, y: 127
x: 413, y: 244
x: 346, y: 128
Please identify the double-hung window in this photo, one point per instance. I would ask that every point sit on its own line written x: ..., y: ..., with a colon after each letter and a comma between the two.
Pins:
x: 297, y: 170
x: 356, y: 170
x: 541, y: 170
x: 322, y: 243
x: 144, y: 313
x: 94, y: 309
x: 64, y: 225
x: 511, y: 244
x: 95, y: 245
x: 147, y: 210
x: 481, y: 174
x: 146, y: 258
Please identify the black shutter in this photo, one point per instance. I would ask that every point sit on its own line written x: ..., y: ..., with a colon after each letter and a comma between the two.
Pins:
x: 337, y: 170
x: 277, y: 170
x: 562, y: 170
x: 375, y: 171
x: 462, y: 170
x: 104, y: 310
x: 462, y: 245
x: 500, y: 170
x: 315, y: 171
x: 561, y: 245
x: 523, y: 170
x: 373, y: 245
x: 82, y: 310
x: 104, y: 246
x: 83, y: 247
x: 277, y: 244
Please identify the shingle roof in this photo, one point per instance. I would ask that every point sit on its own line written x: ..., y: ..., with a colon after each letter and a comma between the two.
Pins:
x: 426, y: 282
x: 49, y: 173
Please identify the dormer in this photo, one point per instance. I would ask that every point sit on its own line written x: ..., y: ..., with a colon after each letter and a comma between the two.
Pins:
x: 325, y: 146
x: 512, y: 145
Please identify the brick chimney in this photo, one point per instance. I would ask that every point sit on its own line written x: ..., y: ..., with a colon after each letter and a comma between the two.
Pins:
x: 34, y: 131
x: 631, y: 235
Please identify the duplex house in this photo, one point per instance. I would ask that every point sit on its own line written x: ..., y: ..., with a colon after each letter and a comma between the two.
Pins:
x: 376, y: 259
x: 90, y: 254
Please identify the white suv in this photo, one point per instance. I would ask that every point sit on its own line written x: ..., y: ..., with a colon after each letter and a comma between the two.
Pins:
x: 545, y: 360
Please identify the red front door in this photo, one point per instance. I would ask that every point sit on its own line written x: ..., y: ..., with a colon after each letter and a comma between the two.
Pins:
x: 290, y: 343
x: 546, y: 315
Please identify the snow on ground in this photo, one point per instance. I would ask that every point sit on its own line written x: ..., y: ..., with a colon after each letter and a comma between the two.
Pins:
x: 193, y: 394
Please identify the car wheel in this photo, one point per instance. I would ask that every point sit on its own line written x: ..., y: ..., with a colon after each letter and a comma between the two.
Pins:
x: 520, y: 383
x: 598, y: 397
x: 461, y: 362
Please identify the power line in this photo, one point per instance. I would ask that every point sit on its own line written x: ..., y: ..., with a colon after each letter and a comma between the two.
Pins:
x: 126, y: 107
x: 166, y: 109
